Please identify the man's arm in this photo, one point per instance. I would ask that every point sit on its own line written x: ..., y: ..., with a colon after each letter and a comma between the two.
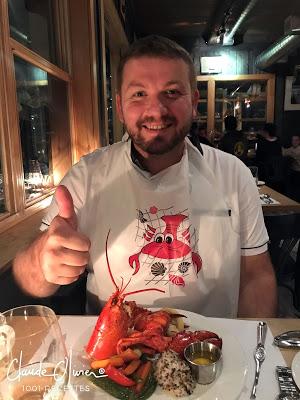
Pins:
x: 57, y: 257
x: 258, y: 288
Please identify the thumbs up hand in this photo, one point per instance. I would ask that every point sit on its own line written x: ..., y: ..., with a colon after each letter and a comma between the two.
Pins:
x: 64, y: 251
x: 65, y: 206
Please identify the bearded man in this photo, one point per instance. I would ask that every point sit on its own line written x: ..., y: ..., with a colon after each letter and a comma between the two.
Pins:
x: 185, y: 221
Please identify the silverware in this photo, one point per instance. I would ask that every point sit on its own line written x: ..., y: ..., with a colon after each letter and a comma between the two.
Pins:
x: 289, y: 339
x: 259, y: 354
x: 266, y: 198
x: 287, y: 386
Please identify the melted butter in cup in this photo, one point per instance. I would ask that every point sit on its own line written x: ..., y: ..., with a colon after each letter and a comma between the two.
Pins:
x: 204, y: 360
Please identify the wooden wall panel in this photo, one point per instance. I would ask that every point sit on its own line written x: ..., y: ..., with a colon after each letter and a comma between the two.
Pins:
x: 84, y: 78
x: 117, y: 42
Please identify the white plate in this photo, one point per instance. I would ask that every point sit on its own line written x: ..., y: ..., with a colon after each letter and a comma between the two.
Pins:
x: 296, y: 369
x: 228, y: 385
x: 261, y: 183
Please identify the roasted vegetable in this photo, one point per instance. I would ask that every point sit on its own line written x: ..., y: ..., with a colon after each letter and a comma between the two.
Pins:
x: 122, y: 392
x: 117, y: 376
x: 131, y: 367
x: 115, y: 361
x: 143, y: 372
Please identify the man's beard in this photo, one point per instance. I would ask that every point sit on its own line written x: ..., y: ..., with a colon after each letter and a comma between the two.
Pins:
x: 158, y: 145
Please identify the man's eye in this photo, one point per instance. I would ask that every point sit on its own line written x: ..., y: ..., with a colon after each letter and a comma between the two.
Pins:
x: 139, y: 94
x: 172, y: 92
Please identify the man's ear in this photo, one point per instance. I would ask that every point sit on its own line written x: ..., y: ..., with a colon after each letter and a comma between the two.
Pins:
x: 195, y: 103
x: 119, y: 107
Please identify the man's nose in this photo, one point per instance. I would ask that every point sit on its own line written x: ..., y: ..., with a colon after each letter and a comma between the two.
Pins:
x: 156, y: 107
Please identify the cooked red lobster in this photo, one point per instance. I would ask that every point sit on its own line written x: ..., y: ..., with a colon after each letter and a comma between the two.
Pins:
x: 183, y: 339
x: 122, y: 324
x: 115, y: 320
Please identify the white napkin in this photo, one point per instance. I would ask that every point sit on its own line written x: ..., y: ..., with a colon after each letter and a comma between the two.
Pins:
x: 267, y: 200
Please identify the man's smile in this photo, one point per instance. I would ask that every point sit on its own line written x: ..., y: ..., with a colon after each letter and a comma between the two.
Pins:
x: 156, y: 127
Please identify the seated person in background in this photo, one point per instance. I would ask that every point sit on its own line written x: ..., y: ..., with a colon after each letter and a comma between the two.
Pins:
x: 198, y: 135
x: 294, y: 180
x: 187, y: 223
x: 269, y: 157
x: 234, y: 142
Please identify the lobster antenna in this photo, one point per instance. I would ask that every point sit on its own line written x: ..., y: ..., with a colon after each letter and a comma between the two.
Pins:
x: 108, y: 266
x: 143, y: 290
x: 122, y: 290
x: 122, y: 281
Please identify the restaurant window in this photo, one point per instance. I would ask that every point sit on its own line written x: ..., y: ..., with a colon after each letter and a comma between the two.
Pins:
x: 36, y: 127
x: 37, y: 92
x: 32, y: 23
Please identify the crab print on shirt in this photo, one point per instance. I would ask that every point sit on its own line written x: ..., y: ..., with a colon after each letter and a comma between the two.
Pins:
x: 166, y: 247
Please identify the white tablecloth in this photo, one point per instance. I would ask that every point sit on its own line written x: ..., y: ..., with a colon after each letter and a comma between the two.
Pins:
x: 268, y: 389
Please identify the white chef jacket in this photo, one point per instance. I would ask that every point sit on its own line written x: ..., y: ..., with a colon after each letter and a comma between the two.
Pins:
x: 182, y: 230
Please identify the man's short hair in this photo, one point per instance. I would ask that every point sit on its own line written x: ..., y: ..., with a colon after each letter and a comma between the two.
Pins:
x: 158, y: 47
x: 230, y: 123
x: 270, y: 128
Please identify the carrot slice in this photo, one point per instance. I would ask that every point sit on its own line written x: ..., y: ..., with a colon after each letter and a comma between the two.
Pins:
x: 131, y: 367
x: 115, y: 361
x: 129, y: 355
x: 143, y: 373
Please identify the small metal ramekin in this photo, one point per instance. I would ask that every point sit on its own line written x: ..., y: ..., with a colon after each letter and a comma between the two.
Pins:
x: 204, y: 374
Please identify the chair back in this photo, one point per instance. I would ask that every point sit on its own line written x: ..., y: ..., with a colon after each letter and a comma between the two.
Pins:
x: 284, y: 248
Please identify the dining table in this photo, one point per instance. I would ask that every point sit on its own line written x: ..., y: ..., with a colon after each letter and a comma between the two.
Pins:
x: 239, y: 341
x: 275, y: 202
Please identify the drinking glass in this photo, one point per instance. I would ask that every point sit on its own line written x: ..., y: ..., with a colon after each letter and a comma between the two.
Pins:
x: 33, y: 356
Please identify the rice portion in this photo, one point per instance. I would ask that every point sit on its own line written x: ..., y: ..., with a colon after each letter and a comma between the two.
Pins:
x: 173, y: 374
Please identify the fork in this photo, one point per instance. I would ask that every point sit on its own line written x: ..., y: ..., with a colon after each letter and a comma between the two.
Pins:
x: 259, y: 354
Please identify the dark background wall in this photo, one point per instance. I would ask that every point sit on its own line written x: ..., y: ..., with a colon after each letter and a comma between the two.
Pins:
x: 240, y: 59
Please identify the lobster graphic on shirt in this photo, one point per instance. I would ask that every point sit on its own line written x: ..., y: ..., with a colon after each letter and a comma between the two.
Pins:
x: 167, y: 246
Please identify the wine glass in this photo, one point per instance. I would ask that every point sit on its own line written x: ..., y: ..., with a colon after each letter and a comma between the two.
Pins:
x: 33, y: 356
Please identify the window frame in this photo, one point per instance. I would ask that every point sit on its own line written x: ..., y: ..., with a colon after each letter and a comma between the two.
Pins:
x: 11, y: 152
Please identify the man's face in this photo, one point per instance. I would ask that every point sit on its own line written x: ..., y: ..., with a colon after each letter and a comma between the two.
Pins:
x: 156, y: 103
x: 295, y: 141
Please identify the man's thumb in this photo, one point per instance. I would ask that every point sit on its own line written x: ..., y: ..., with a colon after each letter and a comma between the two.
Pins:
x: 65, y: 205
